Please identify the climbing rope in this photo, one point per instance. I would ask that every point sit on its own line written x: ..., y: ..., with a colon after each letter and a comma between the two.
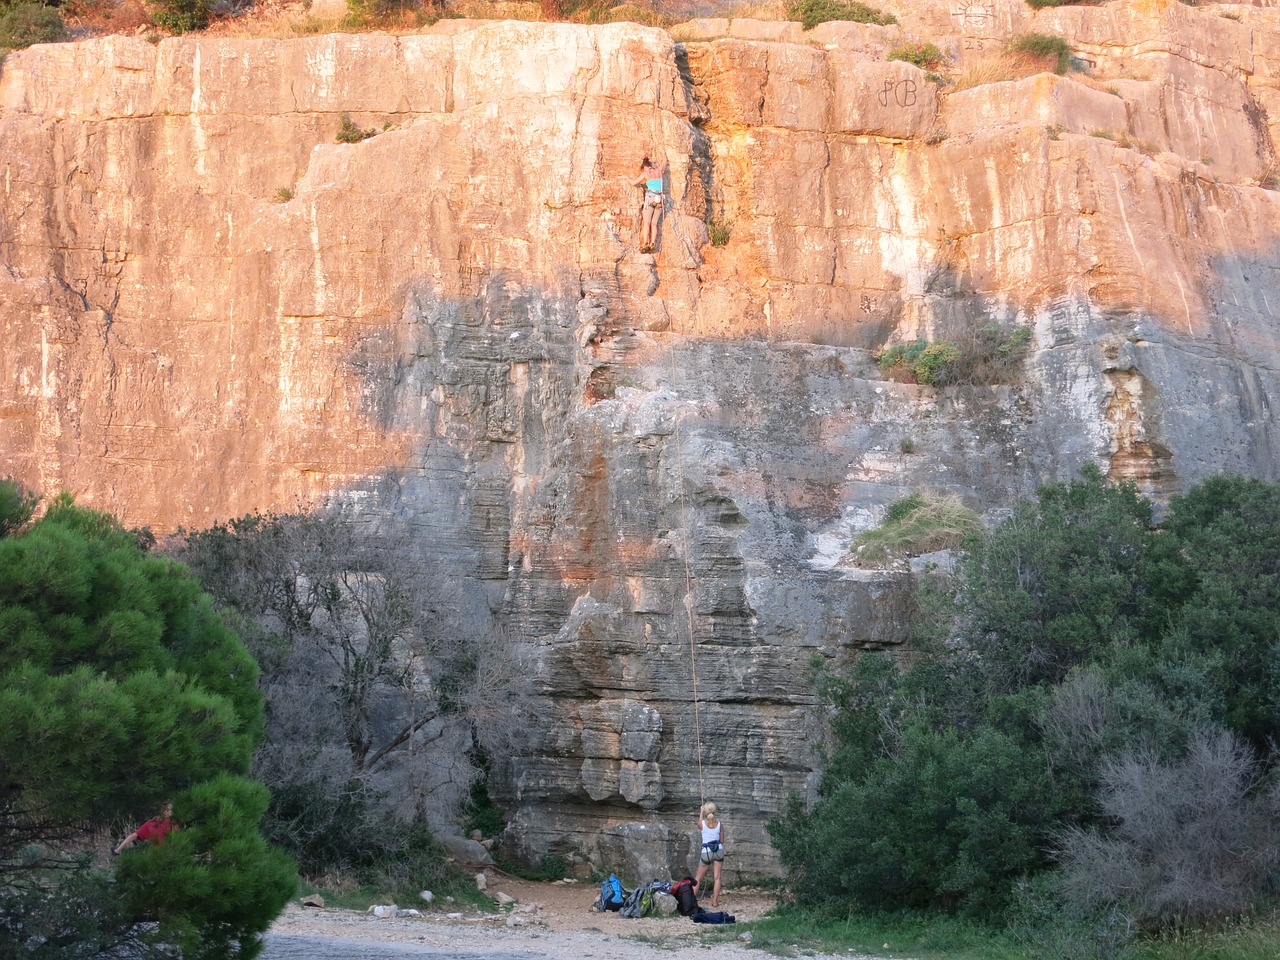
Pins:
x: 688, y: 591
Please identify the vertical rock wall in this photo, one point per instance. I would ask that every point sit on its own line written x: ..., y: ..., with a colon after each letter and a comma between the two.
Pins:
x: 209, y: 306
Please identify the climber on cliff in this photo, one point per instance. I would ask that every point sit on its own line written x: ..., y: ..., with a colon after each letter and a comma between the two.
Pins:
x: 650, y: 178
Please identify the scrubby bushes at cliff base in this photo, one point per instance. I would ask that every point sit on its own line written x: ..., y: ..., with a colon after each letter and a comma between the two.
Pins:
x: 364, y: 756
x: 1093, y: 703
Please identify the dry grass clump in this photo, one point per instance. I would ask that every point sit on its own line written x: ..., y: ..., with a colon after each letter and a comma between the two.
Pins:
x: 999, y: 68
x: 920, y: 523
x: 284, y: 26
x: 93, y: 18
x: 755, y: 10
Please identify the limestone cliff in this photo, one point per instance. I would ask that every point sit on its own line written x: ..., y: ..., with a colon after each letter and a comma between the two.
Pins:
x: 210, y: 306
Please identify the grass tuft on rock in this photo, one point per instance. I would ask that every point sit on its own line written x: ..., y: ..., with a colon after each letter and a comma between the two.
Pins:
x: 920, y: 523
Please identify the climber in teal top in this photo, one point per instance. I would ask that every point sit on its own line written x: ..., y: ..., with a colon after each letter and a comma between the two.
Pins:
x: 650, y: 178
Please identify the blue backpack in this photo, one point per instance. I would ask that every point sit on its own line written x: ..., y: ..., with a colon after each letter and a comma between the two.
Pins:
x: 612, y: 896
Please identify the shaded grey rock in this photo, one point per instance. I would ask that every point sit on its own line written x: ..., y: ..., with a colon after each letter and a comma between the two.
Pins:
x: 465, y: 850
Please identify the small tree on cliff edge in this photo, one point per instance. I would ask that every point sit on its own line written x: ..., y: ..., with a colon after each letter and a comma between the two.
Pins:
x: 122, y: 689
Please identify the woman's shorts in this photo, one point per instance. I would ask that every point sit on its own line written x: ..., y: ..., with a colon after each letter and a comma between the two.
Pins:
x: 712, y: 851
x: 653, y: 199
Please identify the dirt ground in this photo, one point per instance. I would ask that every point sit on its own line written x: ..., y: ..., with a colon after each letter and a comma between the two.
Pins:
x: 561, y: 906
x: 548, y: 920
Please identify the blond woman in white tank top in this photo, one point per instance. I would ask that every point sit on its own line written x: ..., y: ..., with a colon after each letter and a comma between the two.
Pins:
x: 712, y: 829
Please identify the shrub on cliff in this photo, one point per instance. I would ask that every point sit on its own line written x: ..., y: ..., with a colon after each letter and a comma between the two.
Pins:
x: 917, y: 524
x: 121, y: 689
x: 986, y: 354
x: 181, y: 16
x: 810, y: 13
x: 28, y: 23
x: 350, y: 131
x: 1044, y: 46
x: 922, y: 55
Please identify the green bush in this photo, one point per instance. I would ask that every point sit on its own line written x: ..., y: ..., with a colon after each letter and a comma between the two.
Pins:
x: 989, y: 354
x: 86, y: 919
x: 918, y: 813
x: 181, y: 16
x: 215, y: 885
x: 810, y: 13
x: 349, y: 132
x: 27, y: 23
x: 1219, y: 567
x: 1024, y: 584
x: 932, y: 364
x: 1043, y: 45
x: 923, y: 55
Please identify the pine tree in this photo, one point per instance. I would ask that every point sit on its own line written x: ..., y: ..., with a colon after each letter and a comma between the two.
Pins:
x: 123, y: 690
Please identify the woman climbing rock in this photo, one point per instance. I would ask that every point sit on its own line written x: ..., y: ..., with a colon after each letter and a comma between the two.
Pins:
x: 650, y: 178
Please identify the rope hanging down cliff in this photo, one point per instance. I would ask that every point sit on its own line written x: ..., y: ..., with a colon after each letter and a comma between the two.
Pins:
x: 688, y: 586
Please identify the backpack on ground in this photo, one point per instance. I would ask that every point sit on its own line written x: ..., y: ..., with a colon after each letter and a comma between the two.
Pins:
x: 686, y: 900
x: 706, y: 916
x: 639, y: 902
x: 612, y: 896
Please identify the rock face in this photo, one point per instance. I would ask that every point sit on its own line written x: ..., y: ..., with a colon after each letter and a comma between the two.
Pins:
x: 644, y: 467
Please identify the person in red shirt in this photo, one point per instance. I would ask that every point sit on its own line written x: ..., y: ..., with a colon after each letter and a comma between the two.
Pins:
x: 154, y: 829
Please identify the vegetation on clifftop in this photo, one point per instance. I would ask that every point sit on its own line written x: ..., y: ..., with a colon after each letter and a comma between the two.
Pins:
x: 24, y: 24
x: 810, y: 13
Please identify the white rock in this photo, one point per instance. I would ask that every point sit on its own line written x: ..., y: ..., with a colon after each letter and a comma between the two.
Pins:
x: 481, y: 881
x: 427, y: 896
x: 745, y: 937
x: 503, y: 899
x: 515, y: 921
x: 384, y: 911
